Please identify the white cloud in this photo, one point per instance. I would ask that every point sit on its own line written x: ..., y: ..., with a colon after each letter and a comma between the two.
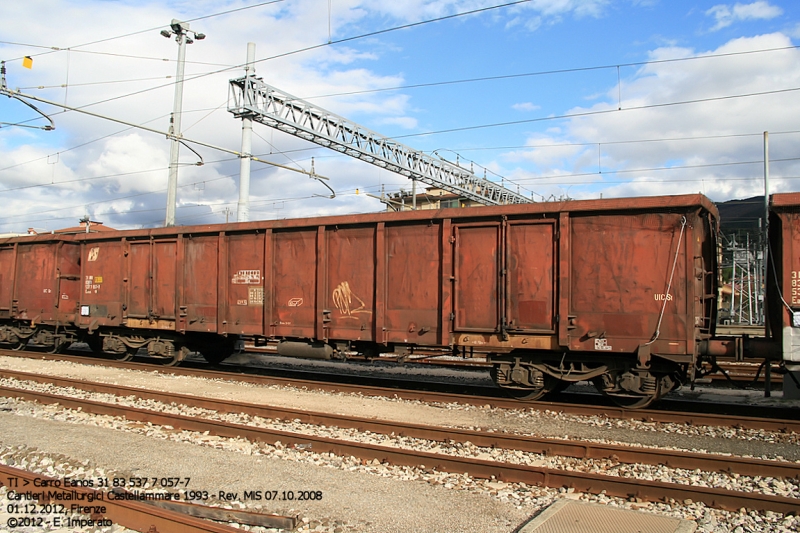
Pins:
x: 714, y: 147
x: 124, y: 174
x: 525, y: 106
x: 725, y: 14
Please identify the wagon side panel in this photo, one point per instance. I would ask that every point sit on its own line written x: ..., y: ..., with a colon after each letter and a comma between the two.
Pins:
x: 350, y: 283
x: 245, y: 283
x: 8, y: 255
x: 200, y: 283
x: 531, y: 271
x: 629, y: 280
x: 412, y: 284
x: 294, y: 286
x: 104, y: 266
x: 476, y: 271
x: 36, y: 282
x: 69, y: 282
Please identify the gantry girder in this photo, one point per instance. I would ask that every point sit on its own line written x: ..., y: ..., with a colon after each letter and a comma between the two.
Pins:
x: 251, y: 97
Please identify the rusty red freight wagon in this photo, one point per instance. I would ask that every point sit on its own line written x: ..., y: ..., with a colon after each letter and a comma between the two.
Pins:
x: 614, y: 291
x: 783, y: 286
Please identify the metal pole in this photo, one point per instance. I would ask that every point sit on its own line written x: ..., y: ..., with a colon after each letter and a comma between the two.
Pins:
x: 243, y: 210
x: 733, y: 282
x: 766, y: 179
x: 768, y: 364
x: 414, y: 195
x: 749, y: 285
x: 175, y: 123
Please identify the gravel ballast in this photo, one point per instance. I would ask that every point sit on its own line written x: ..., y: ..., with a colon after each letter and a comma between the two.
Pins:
x: 367, y: 497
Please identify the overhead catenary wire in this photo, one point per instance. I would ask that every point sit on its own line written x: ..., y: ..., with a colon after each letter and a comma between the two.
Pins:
x: 666, y: 168
x: 107, y: 39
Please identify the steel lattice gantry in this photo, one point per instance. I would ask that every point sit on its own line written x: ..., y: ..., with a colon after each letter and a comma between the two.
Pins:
x: 251, y: 97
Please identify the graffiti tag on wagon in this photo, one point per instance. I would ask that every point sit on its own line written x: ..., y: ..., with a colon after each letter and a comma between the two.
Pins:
x: 295, y: 302
x: 343, y: 298
x: 247, y: 277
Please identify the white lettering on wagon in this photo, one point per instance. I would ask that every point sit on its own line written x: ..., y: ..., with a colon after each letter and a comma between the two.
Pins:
x: 247, y: 277
x: 92, y: 284
x: 602, y: 344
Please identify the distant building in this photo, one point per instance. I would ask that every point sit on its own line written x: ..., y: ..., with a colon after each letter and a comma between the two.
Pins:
x: 86, y: 226
x: 432, y: 198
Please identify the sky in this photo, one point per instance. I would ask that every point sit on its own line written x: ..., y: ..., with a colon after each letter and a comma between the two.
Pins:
x: 552, y: 98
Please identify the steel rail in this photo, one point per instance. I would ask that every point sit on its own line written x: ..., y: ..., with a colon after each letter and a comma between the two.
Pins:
x: 550, y: 447
x: 131, y: 514
x: 582, y: 482
x: 605, y: 411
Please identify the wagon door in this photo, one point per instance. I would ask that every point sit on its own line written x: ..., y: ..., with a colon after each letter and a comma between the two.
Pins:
x: 165, y: 255
x: 530, y: 268
x: 69, y: 281
x: 351, y: 283
x: 476, y: 286
x: 36, y: 274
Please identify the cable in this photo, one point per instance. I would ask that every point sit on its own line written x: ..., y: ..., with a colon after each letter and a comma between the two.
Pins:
x: 601, y: 112
x: 632, y: 141
x: 112, y: 54
x: 54, y: 49
x: 656, y: 169
x: 548, y: 72
x: 241, y: 65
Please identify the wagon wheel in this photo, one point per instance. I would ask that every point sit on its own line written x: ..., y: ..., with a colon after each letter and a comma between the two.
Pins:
x: 180, y: 355
x: 57, y: 347
x: 127, y: 355
x: 95, y: 343
x: 217, y: 352
x: 530, y: 394
x: 633, y: 401
x: 19, y: 345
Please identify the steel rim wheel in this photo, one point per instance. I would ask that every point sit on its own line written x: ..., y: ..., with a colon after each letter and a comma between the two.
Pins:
x: 528, y: 395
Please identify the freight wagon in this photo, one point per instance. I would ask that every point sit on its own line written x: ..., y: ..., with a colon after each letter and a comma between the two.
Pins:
x: 619, y: 292
x: 783, y: 288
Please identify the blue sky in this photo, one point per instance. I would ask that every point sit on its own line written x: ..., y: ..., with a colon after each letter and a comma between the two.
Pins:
x: 637, y: 55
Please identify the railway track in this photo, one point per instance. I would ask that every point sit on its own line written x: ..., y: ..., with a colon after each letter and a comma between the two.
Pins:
x: 717, y: 419
x: 588, y: 482
x: 136, y: 515
x: 560, y: 447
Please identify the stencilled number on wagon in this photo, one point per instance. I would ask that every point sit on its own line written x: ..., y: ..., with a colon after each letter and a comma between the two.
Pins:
x: 93, y: 253
x: 601, y: 344
x: 247, y: 277
x: 795, y: 287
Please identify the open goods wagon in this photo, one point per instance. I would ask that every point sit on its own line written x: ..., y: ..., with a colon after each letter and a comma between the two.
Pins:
x: 620, y: 292
x: 783, y: 286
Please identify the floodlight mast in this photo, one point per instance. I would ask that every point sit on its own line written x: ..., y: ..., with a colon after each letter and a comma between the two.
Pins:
x: 251, y: 97
x: 243, y: 209
x: 181, y: 32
